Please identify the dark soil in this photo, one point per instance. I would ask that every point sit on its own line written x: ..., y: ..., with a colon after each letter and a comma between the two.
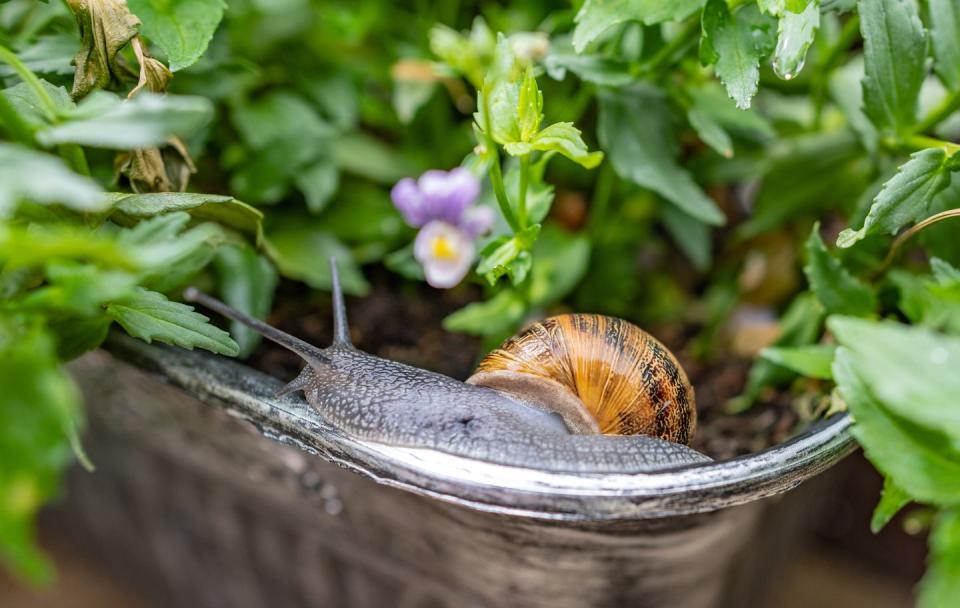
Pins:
x: 402, y: 322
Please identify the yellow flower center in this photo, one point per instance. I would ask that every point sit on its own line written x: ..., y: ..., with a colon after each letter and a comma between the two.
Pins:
x: 441, y: 248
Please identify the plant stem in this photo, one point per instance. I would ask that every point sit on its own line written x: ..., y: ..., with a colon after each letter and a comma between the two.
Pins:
x: 522, y: 195
x: 908, y: 233
x: 49, y: 107
x: 945, y: 108
x: 496, y: 174
x: 912, y: 143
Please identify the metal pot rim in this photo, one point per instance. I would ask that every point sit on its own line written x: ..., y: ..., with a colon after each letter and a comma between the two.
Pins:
x: 249, y: 394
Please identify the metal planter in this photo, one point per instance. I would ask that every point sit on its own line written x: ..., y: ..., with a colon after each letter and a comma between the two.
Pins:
x: 205, y: 510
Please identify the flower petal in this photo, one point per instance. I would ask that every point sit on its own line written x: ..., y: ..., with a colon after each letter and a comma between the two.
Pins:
x: 477, y: 221
x: 447, y: 194
x: 446, y: 253
x: 408, y: 200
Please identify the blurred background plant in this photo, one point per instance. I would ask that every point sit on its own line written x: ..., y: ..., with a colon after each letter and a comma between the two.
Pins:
x: 737, y: 171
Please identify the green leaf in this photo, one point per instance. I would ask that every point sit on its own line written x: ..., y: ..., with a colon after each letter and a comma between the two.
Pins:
x: 635, y: 129
x: 598, y: 69
x: 319, y: 183
x: 910, y: 370
x: 77, y: 288
x: 940, y: 586
x: 892, y: 500
x: 28, y: 176
x: 834, y: 173
x: 560, y: 137
x: 734, y: 44
x: 530, y: 106
x: 39, y: 410
x: 102, y: 120
x: 404, y: 263
x: 224, y: 210
x: 23, y: 248
x: 362, y: 155
x: 300, y: 251
x: 905, y: 197
x: 34, y: 110
x: 849, y: 96
x: 181, y: 28
x: 917, y: 459
x: 597, y: 16
x: 839, y: 291
x: 710, y: 131
x: 247, y: 283
x: 498, y: 257
x: 692, y: 236
x: 795, y: 34
x: 927, y: 302
x: 150, y: 316
x: 944, y: 272
x: 812, y: 361
x: 499, y: 314
x: 945, y: 38
x: 895, y: 48
x: 50, y: 53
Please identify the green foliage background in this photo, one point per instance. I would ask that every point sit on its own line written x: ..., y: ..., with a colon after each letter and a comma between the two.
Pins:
x: 643, y: 156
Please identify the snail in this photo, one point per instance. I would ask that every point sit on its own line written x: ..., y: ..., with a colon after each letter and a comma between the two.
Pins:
x: 541, y: 400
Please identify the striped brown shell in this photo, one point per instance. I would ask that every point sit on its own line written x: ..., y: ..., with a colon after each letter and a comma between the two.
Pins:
x: 621, y: 379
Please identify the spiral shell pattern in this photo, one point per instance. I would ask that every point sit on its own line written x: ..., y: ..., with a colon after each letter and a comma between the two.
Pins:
x: 630, y: 382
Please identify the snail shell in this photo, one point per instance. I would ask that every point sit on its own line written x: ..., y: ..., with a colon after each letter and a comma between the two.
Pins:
x: 601, y: 374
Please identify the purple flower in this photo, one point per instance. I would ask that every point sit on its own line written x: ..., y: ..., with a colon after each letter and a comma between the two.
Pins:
x: 439, y: 203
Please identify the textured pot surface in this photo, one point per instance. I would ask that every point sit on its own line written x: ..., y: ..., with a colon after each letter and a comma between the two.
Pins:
x: 221, y: 515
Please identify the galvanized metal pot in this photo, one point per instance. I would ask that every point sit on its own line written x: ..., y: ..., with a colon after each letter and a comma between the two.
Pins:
x: 204, y: 509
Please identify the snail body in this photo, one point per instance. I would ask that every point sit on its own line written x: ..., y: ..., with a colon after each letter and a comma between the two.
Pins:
x: 379, y: 400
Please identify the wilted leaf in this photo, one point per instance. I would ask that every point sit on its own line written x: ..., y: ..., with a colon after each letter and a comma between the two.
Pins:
x: 106, y: 26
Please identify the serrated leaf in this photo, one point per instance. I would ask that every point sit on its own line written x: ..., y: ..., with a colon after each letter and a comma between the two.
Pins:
x: 911, y: 370
x: 734, y: 45
x: 812, y: 361
x: 150, y: 316
x: 181, y: 28
x: 945, y: 38
x: 940, y: 586
x: 917, y: 459
x: 102, y: 120
x: 247, y: 283
x: 597, y: 16
x: 795, y: 34
x: 839, y: 291
x: 635, y: 129
x: 499, y: 256
x: 29, y: 176
x: 905, y: 197
x: 892, y: 500
x: 895, y: 48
